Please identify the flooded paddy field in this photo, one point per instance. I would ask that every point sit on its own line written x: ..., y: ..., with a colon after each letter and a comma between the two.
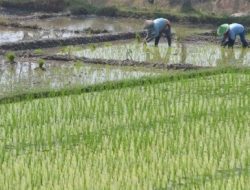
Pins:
x: 70, y: 26
x: 10, y: 34
x: 25, y: 75
x: 200, y: 54
x: 111, y: 24
x: 84, y: 22
x: 65, y: 126
x: 59, y: 74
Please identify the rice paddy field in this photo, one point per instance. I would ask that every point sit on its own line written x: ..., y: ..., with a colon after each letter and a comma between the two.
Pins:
x: 200, y: 54
x: 25, y: 75
x: 67, y: 124
x: 181, y: 131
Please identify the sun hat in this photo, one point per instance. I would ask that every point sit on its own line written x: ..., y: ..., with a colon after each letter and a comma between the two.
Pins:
x: 222, y: 29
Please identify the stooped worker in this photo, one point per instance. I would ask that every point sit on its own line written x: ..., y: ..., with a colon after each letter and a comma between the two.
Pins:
x: 156, y: 28
x: 230, y: 32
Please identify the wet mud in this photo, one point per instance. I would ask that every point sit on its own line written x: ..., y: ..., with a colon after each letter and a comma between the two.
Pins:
x: 210, y: 37
x: 18, y: 25
x: 36, y: 27
x: 48, y: 43
x: 130, y: 63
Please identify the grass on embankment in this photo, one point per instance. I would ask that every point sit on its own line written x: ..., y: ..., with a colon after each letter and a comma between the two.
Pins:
x: 190, y: 133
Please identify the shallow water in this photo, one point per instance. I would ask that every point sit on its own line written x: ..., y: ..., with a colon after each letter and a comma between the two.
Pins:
x: 52, y: 27
x: 111, y: 24
x: 24, y: 75
x: 84, y: 22
x: 8, y: 34
x: 202, y: 54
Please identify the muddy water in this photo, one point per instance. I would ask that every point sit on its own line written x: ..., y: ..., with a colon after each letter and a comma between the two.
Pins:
x: 24, y: 76
x: 201, y: 54
x: 10, y: 35
x: 52, y: 27
x: 14, y: 34
x: 108, y: 23
x: 94, y: 22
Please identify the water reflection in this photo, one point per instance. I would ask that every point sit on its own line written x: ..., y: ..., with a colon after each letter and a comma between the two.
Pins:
x: 198, y: 54
x: 11, y: 36
x: 183, y: 55
x: 53, y: 26
x: 231, y: 56
x: 84, y: 22
x: 154, y: 54
x: 24, y: 75
x: 15, y: 35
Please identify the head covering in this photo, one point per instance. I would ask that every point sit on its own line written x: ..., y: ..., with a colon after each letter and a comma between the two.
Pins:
x: 222, y: 29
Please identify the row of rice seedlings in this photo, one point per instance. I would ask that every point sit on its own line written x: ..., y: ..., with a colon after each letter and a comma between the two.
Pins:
x: 203, y: 55
x: 190, y: 134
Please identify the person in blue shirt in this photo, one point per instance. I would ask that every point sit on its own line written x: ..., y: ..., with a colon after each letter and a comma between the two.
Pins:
x: 230, y: 32
x: 156, y: 28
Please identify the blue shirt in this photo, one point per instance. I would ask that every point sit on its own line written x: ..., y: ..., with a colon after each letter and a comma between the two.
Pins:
x: 235, y: 29
x: 159, y: 25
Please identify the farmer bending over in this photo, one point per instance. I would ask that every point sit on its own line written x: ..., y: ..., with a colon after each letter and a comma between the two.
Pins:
x: 155, y: 29
x: 230, y: 32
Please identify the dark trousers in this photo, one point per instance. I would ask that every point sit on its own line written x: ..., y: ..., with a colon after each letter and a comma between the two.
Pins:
x: 230, y: 43
x: 243, y: 39
x: 167, y: 33
x: 157, y: 39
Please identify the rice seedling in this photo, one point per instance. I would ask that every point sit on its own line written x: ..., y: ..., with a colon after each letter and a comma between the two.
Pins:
x: 182, y: 134
x: 10, y: 57
x: 41, y: 63
x: 93, y: 47
x: 38, y: 52
x: 197, y: 54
